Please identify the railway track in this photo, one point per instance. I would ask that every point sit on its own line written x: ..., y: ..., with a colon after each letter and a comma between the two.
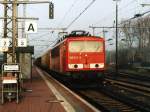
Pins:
x: 133, y: 89
x: 132, y: 82
x: 144, y: 90
x: 128, y: 96
x: 105, y: 103
x: 136, y: 82
x: 116, y: 98
x: 113, y: 96
x: 125, y: 97
x: 136, y: 77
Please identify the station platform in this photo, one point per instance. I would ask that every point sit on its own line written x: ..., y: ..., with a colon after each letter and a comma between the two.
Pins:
x: 40, y: 97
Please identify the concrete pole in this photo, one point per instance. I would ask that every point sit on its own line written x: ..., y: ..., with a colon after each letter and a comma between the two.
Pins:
x: 5, y: 29
x: 14, y: 32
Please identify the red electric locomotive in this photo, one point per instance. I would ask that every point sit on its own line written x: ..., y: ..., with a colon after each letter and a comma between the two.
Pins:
x: 79, y: 55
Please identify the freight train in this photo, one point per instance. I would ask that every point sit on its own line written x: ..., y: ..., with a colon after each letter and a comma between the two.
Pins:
x: 78, y: 55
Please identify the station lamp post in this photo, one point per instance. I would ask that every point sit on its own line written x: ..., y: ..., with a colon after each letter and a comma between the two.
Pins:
x: 116, y: 35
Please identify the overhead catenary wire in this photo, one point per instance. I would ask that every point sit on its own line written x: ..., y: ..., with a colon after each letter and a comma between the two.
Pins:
x: 120, y: 9
x: 88, y: 6
x: 76, y: 18
x: 68, y: 11
x: 83, y: 12
x: 135, y: 16
x: 125, y: 6
x: 47, y: 46
x: 44, y: 35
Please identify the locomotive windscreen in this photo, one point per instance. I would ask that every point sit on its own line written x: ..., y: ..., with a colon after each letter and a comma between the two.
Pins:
x: 86, y: 46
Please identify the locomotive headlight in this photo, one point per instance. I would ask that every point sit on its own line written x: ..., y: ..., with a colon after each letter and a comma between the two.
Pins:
x: 97, y: 65
x: 75, y: 66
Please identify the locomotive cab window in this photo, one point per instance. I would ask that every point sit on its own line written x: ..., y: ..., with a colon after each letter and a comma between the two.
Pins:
x: 86, y: 46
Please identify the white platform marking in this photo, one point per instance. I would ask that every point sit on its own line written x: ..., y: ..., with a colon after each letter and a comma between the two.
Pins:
x: 75, y: 95
x: 65, y: 104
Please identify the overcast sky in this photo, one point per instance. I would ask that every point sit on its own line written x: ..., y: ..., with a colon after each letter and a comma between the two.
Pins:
x: 100, y: 13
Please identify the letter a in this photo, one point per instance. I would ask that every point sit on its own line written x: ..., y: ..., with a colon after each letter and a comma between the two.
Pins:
x: 31, y: 27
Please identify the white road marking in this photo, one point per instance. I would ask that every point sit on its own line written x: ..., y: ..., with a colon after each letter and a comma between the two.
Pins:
x: 65, y: 104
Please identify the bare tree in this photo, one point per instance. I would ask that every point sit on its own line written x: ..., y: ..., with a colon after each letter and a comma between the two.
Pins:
x: 137, y: 37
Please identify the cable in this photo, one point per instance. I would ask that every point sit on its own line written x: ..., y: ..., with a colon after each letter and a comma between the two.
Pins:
x: 81, y: 13
x: 40, y: 36
x: 64, y: 17
x: 131, y: 2
x: 111, y: 13
x: 51, y: 42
